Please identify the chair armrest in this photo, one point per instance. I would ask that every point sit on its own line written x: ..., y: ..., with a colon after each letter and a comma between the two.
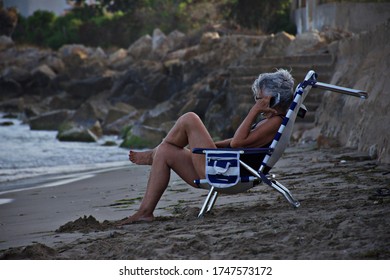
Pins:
x: 241, y: 150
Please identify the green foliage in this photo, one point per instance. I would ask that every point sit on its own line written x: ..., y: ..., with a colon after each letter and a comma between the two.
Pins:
x: 121, y: 22
x: 45, y: 29
x: 268, y: 16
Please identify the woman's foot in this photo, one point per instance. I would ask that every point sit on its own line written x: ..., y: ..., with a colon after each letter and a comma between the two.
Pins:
x: 135, y: 219
x: 141, y: 158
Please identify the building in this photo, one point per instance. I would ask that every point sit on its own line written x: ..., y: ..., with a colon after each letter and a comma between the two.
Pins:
x: 349, y: 16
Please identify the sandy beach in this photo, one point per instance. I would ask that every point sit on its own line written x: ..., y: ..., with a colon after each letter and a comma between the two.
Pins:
x: 344, y: 214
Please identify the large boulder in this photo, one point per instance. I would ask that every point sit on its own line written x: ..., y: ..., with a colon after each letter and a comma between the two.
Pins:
x: 16, y: 73
x: 78, y: 50
x: 42, y: 76
x: 276, y: 45
x: 9, y: 88
x: 15, y: 105
x: 118, y: 111
x: 5, y: 42
x: 50, y: 120
x: 85, y: 88
x: 175, y: 40
x: 77, y: 134
x: 308, y: 42
x: 118, y: 126
x: 141, y: 48
x: 163, y: 112
x: 140, y: 136
x: 160, y: 44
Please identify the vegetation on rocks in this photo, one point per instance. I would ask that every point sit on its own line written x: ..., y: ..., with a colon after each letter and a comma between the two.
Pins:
x: 120, y: 23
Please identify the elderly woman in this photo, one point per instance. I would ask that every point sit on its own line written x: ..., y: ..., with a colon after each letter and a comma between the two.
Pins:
x: 174, y: 152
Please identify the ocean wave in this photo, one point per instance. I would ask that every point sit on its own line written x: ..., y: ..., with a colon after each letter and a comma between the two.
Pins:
x: 26, y: 153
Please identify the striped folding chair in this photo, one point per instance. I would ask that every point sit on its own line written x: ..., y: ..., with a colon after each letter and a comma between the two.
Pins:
x: 223, y: 165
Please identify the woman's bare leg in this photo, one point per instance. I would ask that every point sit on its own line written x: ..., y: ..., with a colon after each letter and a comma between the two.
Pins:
x: 172, y: 154
x: 166, y: 157
x: 188, y: 130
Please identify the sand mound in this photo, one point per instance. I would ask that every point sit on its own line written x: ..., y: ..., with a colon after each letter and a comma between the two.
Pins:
x: 85, y: 225
x: 34, y: 252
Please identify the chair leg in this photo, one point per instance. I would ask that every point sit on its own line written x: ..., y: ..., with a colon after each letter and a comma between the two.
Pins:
x: 285, y: 192
x: 212, y: 201
x: 206, y: 203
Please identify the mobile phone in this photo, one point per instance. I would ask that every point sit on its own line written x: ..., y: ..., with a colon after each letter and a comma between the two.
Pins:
x: 275, y: 100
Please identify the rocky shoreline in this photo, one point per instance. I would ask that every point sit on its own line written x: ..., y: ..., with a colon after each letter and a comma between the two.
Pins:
x: 138, y: 92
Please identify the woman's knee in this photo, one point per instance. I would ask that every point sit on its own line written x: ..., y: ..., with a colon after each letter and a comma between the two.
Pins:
x: 190, y: 118
x: 163, y: 151
x: 166, y: 153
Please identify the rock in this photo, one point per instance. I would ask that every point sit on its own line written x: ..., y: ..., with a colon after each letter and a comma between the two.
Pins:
x: 88, y: 114
x: 327, y: 142
x: 6, y: 123
x: 208, y: 41
x: 160, y: 45
x: 99, y: 53
x: 306, y: 42
x: 311, y: 135
x: 63, y: 100
x: 183, y: 54
x: 163, y: 112
x: 51, y: 120
x: 96, y: 129
x: 9, y: 89
x: 140, y: 136
x: 75, y: 50
x: 175, y: 40
x: 12, y: 105
x: 16, y: 73
x: 119, y: 55
x: 118, y: 111
x: 82, y: 89
x: 145, y: 85
x: 116, y: 127
x: 277, y: 44
x: 166, y: 126
x: 76, y: 134
x: 141, y: 48
x: 42, y: 75
x: 55, y: 63
x: 5, y: 42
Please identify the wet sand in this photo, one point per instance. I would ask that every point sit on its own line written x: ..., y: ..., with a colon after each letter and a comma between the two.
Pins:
x: 344, y: 214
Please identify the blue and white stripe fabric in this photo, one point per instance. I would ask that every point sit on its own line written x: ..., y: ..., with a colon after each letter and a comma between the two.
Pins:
x: 222, y: 168
x: 300, y: 94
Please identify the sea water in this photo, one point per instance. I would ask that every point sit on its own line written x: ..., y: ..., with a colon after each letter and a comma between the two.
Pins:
x: 26, y: 153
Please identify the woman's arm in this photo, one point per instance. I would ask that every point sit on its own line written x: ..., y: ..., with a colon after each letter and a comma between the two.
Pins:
x: 223, y: 143
x: 263, y: 133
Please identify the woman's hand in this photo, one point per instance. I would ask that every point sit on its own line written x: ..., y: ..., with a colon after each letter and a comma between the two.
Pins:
x: 262, y: 106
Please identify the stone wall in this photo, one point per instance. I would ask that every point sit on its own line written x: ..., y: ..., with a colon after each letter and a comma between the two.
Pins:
x: 352, y: 17
x: 363, y: 63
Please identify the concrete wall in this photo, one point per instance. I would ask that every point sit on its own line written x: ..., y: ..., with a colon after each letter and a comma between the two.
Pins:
x: 352, y: 17
x: 363, y: 62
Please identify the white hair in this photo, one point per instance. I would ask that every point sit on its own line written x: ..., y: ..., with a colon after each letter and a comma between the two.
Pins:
x: 280, y: 82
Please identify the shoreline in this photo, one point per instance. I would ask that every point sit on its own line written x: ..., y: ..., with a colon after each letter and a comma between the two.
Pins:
x: 342, y: 216
x: 58, y: 176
